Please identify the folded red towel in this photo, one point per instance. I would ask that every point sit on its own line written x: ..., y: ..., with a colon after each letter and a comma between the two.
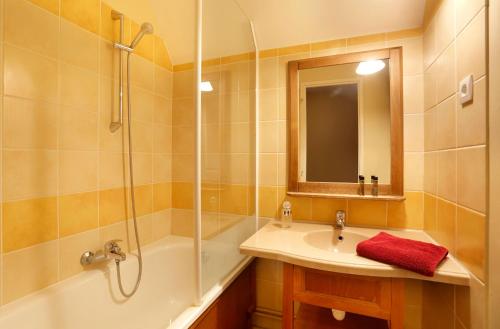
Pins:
x: 416, y: 256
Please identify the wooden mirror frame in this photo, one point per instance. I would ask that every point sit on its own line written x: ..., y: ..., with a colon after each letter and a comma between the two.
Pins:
x: 394, y: 190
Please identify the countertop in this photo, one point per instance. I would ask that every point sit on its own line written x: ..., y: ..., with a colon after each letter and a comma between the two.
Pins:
x: 289, y: 245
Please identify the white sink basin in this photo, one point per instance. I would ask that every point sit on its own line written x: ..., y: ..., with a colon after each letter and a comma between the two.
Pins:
x: 336, y: 241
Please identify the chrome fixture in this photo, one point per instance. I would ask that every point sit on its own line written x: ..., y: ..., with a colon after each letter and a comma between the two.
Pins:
x: 361, y: 189
x: 115, y: 125
x: 340, y: 220
x: 374, y: 185
x: 110, y: 251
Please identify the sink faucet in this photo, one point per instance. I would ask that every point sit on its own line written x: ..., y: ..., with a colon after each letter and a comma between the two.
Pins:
x: 340, y: 220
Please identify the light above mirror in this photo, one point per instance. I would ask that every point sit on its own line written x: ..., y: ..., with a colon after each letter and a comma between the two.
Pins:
x: 206, y: 86
x: 370, y: 67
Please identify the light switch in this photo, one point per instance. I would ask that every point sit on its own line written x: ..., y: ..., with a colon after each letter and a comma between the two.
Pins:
x: 466, y: 89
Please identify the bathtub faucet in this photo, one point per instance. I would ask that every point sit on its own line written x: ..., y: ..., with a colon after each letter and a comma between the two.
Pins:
x: 112, y: 250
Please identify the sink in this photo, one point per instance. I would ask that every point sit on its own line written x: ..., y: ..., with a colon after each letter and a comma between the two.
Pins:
x: 332, y: 240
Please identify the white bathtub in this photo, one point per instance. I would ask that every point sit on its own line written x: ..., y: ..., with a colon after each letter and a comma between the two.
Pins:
x: 164, y: 300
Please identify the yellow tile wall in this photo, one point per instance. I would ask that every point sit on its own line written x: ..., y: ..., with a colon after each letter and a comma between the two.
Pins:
x: 64, y: 187
x: 455, y: 155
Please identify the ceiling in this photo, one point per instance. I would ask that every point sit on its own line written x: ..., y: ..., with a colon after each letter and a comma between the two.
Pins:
x: 277, y: 23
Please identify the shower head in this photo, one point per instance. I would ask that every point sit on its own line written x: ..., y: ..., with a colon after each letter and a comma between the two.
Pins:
x: 146, y: 28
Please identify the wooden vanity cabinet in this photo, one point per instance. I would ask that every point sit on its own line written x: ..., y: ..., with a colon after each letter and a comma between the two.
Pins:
x: 376, y: 297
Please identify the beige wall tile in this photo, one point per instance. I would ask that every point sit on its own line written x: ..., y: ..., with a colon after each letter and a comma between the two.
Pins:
x: 79, y: 88
x: 445, y: 24
x: 162, y: 168
x: 143, y: 168
x: 466, y: 10
x: 143, y: 73
x: 269, y: 134
x: 29, y: 75
x: 236, y: 138
x: 414, y: 171
x: 162, y: 138
x: 471, y: 118
x: 268, y: 169
x: 430, y: 130
x: 445, y: 74
x: 471, y: 178
x: 235, y: 169
x: 414, y: 132
x: 430, y: 172
x: 269, y: 104
x: 447, y: 175
x: 29, y: 124
x: 77, y: 213
x: 78, y: 171
x: 29, y: 174
x: 162, y: 110
x: 79, y: 47
x: 112, y: 168
x: 142, y: 136
x: 40, y: 29
x: 413, y: 94
x: 71, y: 249
x: 184, y: 139
x: 28, y: 222
x: 183, y: 167
x: 78, y: 129
x: 471, y: 49
x: 142, y: 104
x: 182, y: 111
x: 163, y: 82
x: 446, y: 131
x: 471, y: 241
x: 38, y: 265
x: 268, y: 70
x: 214, y: 106
x: 430, y: 87
x: 429, y: 44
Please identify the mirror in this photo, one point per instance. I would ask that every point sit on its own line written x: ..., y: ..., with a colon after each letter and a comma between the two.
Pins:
x: 346, y: 121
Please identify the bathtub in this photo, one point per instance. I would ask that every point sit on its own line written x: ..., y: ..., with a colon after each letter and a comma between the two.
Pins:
x: 164, y: 300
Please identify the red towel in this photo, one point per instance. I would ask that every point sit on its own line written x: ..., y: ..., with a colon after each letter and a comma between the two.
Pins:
x: 416, y: 256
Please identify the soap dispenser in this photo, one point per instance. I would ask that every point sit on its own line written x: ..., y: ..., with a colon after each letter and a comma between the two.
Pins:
x: 286, y: 215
